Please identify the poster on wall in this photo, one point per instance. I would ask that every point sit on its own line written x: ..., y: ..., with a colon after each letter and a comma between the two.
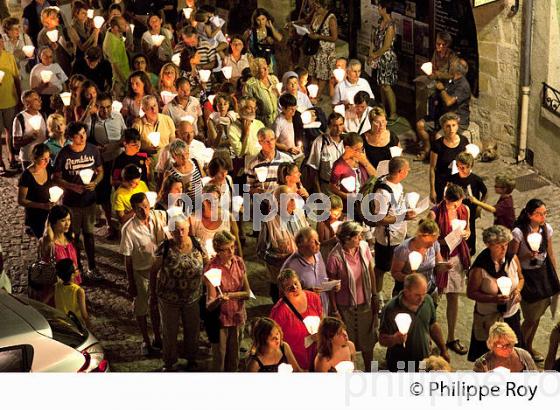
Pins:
x: 421, y: 39
x: 407, y: 44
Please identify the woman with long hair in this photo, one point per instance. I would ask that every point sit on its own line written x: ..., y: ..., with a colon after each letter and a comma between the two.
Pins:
x: 138, y: 85
x: 334, y: 346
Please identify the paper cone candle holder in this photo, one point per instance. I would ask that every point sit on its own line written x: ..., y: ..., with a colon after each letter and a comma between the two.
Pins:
x: 279, y: 87
x: 227, y: 72
x: 262, y: 173
x: 204, y: 75
x: 339, y: 74
x: 154, y: 138
x: 90, y: 13
x: 534, y: 240
x: 427, y: 68
x: 306, y: 117
x: 86, y: 175
x: 176, y: 59
x: 53, y: 35
x: 340, y: 109
x: 237, y: 203
x: 403, y: 321
x: 131, y: 28
x: 28, y: 51
x: 66, y: 97
x: 285, y: 368
x: 55, y: 192
x: 211, y: 98
x: 46, y: 75
x: 345, y: 366
x: 167, y: 96
x: 116, y: 106
x: 504, y: 284
x: 157, y: 39
x: 188, y: 118
x: 473, y: 149
x: 412, y: 199
x: 98, y: 21
x: 187, y: 12
x: 415, y: 259
x: 458, y: 224
x: 313, y: 90
x: 152, y: 197
x: 36, y: 122
x: 349, y: 183
x: 395, y: 151
x: 312, y: 324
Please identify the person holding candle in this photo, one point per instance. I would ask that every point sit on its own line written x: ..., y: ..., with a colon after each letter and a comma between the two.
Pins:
x: 290, y: 83
x: 79, y: 194
x: 47, y: 78
x: 96, y: 68
x: 168, y: 75
x: 262, y: 36
x: 114, y: 51
x: 29, y: 127
x: 356, y: 301
x: 220, y: 120
x: 243, y: 135
x: 379, y: 139
x: 290, y: 176
x: 211, y: 219
x: 56, y: 126
x: 448, y: 210
x: 183, y: 105
x: 159, y: 52
x: 405, y: 351
x: 425, y: 242
x: 263, y: 88
x: 20, y: 45
x: 237, y: 58
x: 138, y: 86
x: 348, y: 87
x: 63, y: 48
x: 493, y: 304
x: 443, y: 153
x: 325, y: 150
x: 218, y: 170
x: 357, y: 114
x: 141, y: 237
x: 334, y: 346
x: 31, y: 17
x: 87, y: 99
x: 229, y: 300
x: 82, y: 32
x: 169, y: 194
x: 269, y: 350
x: 130, y: 185
x: 290, y: 311
x: 288, y: 128
x: 532, y: 243
x: 176, y: 285
x: 33, y: 190
x: 503, y: 353
x: 130, y: 155
x: 353, y: 163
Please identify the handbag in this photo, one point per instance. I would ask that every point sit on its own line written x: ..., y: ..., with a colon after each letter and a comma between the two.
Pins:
x: 311, y: 46
x: 540, y: 283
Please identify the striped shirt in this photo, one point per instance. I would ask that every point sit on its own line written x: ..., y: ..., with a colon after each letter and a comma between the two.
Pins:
x: 192, y: 182
x: 259, y: 161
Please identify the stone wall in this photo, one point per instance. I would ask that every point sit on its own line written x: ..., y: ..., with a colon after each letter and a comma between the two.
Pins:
x: 499, y: 42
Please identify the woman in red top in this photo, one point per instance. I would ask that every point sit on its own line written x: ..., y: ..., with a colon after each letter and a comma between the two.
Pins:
x: 444, y: 213
x: 230, y: 302
x: 290, y: 311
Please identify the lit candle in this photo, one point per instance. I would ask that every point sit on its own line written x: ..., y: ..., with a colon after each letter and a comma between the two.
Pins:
x: 204, y: 75
x: 427, y: 68
x: 90, y: 13
x: 415, y: 259
x: 66, y: 96
x: 157, y: 39
x: 339, y: 74
x: 28, y: 51
x: 473, y: 149
x: 313, y: 90
x: 53, y: 35
x: 152, y: 197
x: 46, y: 75
x: 55, y: 192
x: 227, y: 71
x: 86, y: 175
x: 154, y: 138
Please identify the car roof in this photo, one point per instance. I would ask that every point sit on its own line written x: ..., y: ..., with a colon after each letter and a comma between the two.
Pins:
x: 17, y: 317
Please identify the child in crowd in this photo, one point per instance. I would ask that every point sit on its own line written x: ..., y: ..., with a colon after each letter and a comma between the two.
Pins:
x: 504, y: 211
x: 130, y: 155
x: 474, y: 188
x: 68, y: 296
x: 327, y: 229
x: 341, y: 62
x: 269, y: 350
x: 130, y: 185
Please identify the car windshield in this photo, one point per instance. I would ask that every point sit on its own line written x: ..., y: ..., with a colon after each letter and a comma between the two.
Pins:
x: 65, y: 329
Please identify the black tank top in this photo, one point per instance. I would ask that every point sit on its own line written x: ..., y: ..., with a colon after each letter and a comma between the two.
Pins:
x: 271, y: 368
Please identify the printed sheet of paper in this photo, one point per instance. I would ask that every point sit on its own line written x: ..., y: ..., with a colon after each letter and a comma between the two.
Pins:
x: 329, y: 285
x: 301, y: 30
x: 453, y: 239
x: 382, y: 168
x: 422, y: 205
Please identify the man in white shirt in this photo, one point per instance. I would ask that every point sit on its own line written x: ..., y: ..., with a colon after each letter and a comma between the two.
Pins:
x: 29, y: 127
x: 325, y: 150
x: 357, y: 116
x: 141, y: 236
x: 345, y: 90
x: 185, y: 131
x: 391, y: 206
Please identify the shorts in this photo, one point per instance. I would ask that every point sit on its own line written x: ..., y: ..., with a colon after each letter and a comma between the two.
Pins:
x: 142, y: 280
x: 7, y: 116
x: 456, y: 278
x: 534, y: 311
x: 383, y: 256
x: 103, y: 189
x: 83, y: 219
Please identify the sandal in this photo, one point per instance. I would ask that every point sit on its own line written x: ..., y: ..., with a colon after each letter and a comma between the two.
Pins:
x: 457, y: 347
x: 423, y: 156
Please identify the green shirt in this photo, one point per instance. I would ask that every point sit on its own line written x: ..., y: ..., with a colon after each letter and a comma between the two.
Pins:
x: 267, y: 98
x: 115, y: 52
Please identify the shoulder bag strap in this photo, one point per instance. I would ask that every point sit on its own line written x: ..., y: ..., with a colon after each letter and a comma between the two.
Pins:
x: 292, y: 308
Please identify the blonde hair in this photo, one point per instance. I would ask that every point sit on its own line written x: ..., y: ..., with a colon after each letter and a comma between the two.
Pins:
x: 377, y: 112
x: 435, y: 364
x: 500, y: 330
x: 427, y: 227
x: 255, y: 65
x: 52, y: 118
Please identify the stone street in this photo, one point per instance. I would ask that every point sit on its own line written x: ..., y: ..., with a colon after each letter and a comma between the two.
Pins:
x: 111, y: 308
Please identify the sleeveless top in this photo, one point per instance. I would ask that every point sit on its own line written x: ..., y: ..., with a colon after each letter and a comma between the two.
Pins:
x: 271, y: 368
x: 66, y: 298
x: 489, y: 286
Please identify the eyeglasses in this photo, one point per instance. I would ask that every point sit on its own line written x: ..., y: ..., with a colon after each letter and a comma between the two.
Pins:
x: 504, y: 346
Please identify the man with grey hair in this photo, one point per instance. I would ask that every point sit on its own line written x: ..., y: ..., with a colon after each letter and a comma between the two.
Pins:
x: 269, y: 159
x: 406, y: 351
x: 390, y: 206
x: 345, y: 90
x: 454, y: 96
x: 185, y: 131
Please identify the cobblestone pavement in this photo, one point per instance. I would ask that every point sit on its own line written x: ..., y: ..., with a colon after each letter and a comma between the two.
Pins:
x: 111, y: 308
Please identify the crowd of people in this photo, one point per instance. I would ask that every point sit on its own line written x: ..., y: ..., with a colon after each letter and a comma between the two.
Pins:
x: 150, y: 123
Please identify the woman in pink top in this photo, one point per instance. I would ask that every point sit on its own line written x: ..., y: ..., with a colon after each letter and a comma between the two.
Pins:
x: 290, y: 312
x: 230, y: 301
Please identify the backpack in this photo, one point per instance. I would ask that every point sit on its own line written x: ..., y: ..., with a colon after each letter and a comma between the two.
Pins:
x: 371, y: 186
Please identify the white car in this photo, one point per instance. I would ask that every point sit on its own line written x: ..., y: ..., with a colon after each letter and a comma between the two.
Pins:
x: 35, y: 337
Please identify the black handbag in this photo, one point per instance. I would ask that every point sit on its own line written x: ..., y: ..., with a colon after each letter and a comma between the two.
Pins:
x: 540, y: 283
x: 311, y: 46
